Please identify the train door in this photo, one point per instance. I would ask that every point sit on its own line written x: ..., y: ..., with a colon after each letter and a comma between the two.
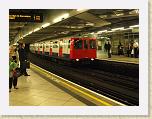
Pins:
x: 60, y: 47
x: 66, y: 47
x: 38, y: 46
x: 55, y: 49
x: 51, y: 45
x: 85, y: 48
x: 43, y: 48
x: 92, y: 48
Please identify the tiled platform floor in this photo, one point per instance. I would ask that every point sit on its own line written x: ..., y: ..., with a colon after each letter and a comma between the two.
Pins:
x: 36, y: 91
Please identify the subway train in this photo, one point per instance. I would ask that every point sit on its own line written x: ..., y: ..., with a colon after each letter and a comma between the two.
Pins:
x: 68, y: 48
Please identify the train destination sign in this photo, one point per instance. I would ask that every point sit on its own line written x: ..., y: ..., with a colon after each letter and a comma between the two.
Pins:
x: 22, y: 17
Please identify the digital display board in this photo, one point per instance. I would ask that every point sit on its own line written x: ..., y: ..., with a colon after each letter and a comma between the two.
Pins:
x: 24, y: 17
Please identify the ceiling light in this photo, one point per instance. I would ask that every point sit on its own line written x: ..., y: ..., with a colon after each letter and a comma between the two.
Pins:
x: 90, y: 24
x: 25, y: 35
x: 121, y: 28
x: 134, y: 26
x: 36, y: 29
x: 60, y: 18
x: 45, y: 25
x: 30, y: 32
x: 101, y: 31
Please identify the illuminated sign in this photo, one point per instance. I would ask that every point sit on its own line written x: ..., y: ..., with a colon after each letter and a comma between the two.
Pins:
x: 22, y: 17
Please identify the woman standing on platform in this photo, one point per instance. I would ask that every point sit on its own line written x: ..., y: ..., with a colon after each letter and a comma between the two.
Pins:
x: 12, y: 70
x: 109, y: 49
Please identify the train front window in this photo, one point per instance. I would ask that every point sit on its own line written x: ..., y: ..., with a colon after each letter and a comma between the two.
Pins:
x: 78, y: 44
x: 92, y: 44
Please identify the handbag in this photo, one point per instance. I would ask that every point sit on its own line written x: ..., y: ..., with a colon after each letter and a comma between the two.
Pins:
x: 16, y: 73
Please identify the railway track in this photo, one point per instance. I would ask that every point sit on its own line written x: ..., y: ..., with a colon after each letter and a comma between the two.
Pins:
x: 121, y: 88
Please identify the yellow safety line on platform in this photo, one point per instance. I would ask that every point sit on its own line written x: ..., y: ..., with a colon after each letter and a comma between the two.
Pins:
x: 99, y: 100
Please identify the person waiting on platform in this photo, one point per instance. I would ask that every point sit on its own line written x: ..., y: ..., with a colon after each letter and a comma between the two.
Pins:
x: 129, y: 49
x: 109, y: 49
x: 12, y: 70
x: 136, y: 49
x: 120, y: 49
x: 105, y: 46
x: 22, y: 59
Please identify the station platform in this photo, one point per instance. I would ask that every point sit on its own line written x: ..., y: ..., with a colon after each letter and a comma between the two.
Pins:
x: 36, y: 91
x: 43, y: 88
x: 116, y: 58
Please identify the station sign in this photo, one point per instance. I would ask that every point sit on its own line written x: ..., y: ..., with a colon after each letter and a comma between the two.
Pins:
x: 24, y: 17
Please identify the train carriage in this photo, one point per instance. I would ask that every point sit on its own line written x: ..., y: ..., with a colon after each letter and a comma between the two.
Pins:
x: 68, y: 48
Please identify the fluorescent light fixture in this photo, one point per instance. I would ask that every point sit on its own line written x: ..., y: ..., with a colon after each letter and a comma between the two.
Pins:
x: 127, y: 28
x: 25, y: 35
x: 45, y: 25
x: 121, y: 28
x: 30, y: 32
x: 64, y: 16
x: 36, y: 29
x: 101, y: 31
x: 109, y: 31
x: 90, y: 24
x: 134, y: 26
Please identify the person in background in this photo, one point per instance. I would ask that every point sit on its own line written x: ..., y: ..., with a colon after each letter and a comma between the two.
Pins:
x: 135, y: 47
x: 12, y: 68
x: 22, y: 59
x: 105, y: 46
x: 109, y: 49
x: 120, y: 49
x: 129, y: 48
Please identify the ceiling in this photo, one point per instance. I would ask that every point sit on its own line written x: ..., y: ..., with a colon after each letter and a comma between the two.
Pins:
x: 78, y: 22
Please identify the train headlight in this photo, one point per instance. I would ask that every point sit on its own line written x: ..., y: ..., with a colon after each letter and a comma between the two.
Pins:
x: 92, y: 59
x: 77, y: 60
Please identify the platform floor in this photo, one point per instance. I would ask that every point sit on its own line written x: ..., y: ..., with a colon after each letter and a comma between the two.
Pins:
x: 104, y: 56
x: 36, y: 91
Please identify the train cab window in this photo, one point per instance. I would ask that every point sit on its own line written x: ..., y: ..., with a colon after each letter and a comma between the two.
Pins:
x: 78, y: 44
x: 85, y: 44
x: 92, y: 44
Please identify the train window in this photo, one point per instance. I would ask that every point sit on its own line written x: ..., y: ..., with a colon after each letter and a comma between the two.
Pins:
x: 40, y: 46
x: 47, y: 46
x: 92, y: 44
x: 85, y: 44
x: 69, y: 44
x: 78, y: 44
x: 55, y: 46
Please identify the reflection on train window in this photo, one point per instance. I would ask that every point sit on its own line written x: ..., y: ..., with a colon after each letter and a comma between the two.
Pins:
x: 92, y: 44
x: 55, y: 46
x: 85, y: 44
x: 78, y: 44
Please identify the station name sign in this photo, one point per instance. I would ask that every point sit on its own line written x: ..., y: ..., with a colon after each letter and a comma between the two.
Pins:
x: 23, y: 17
